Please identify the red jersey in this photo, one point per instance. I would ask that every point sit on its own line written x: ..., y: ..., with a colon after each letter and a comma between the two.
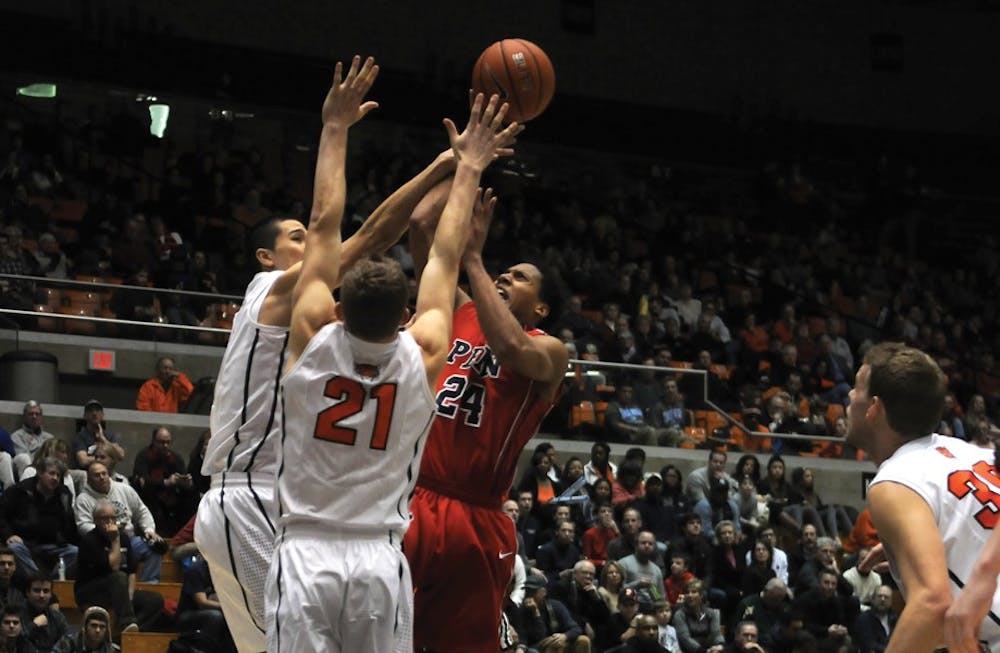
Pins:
x: 485, y: 415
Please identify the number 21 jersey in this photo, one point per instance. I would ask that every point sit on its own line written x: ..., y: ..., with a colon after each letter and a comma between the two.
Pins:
x: 354, y: 419
x: 962, y: 489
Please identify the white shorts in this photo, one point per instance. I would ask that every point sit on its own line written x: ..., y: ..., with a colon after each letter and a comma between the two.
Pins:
x: 235, y: 533
x: 339, y: 593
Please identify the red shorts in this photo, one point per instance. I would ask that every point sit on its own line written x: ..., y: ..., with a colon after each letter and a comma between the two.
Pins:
x: 461, y: 557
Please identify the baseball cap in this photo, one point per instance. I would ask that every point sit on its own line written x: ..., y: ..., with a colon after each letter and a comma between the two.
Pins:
x: 628, y: 595
x: 533, y: 583
x: 93, y: 403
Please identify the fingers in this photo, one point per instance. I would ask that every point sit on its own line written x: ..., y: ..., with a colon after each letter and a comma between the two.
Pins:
x: 337, y: 72
x: 449, y: 127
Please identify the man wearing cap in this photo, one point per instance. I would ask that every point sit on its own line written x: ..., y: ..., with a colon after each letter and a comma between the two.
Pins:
x: 621, y: 621
x: 94, y: 637
x: 29, y: 438
x: 93, y: 433
x: 548, y: 624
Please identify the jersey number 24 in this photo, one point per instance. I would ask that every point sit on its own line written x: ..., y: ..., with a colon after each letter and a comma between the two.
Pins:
x: 352, y: 399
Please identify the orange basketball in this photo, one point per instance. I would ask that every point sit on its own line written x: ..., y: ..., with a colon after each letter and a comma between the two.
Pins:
x: 520, y: 73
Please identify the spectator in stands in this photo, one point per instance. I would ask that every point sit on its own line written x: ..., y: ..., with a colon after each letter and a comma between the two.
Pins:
x: 670, y: 415
x: 787, y: 363
x: 746, y: 639
x: 839, y: 371
x: 29, y: 438
x: 92, y: 433
x: 163, y: 483
x: 12, y: 638
x: 694, y: 544
x: 804, y: 551
x: 136, y: 305
x: 698, y: 626
x: 548, y: 625
x: 596, y: 538
x: 600, y: 465
x: 863, y: 534
x: 718, y: 505
x: 199, y: 609
x: 641, y: 570
x: 646, y: 638
x: 835, y: 520
x: 11, y: 581
x: 826, y: 614
x: 612, y: 581
x: 624, y: 544
x: 556, y: 558
x: 106, y: 573
x: 15, y: 293
x: 619, y: 628
x: 94, y: 636
x: 760, y: 569
x: 657, y: 516
x: 976, y: 414
x: 200, y: 481
x: 628, y: 486
x: 167, y: 392
x: 754, y: 512
x: 673, y: 491
x: 779, y: 557
x: 42, y: 623
x: 808, y: 575
x: 54, y: 448
x: 132, y: 516
x: 677, y: 580
x: 626, y: 421
x: 784, y: 327
x: 864, y: 582
x: 50, y: 260
x: 874, y: 627
x: 580, y: 596
x: 726, y: 566
x: 527, y: 525
x: 951, y: 421
x: 543, y: 490
x: 699, y: 480
x: 37, y: 521
x: 765, y: 608
x: 783, y: 502
x: 107, y: 456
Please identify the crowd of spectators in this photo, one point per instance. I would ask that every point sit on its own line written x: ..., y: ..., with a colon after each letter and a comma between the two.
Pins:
x: 774, y: 283
x: 724, y: 560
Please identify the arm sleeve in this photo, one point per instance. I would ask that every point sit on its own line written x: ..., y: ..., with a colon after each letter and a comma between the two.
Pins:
x: 571, y: 629
x: 688, y: 644
x: 144, y: 400
x: 182, y: 388
x: 83, y: 511
x: 141, y: 517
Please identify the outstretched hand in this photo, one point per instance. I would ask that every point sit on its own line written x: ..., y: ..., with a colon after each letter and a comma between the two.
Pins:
x: 484, y: 137
x: 482, y: 214
x: 343, y: 105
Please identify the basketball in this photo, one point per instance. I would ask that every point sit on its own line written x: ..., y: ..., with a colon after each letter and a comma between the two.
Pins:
x: 520, y: 73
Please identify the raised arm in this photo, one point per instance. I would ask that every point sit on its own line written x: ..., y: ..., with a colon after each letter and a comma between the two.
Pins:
x: 966, y: 614
x: 541, y: 358
x: 312, y: 298
x: 907, y: 527
x: 474, y: 148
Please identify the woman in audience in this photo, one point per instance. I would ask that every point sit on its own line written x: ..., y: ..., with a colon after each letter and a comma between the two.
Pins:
x: 728, y: 563
x: 108, y: 456
x: 536, y: 480
x: 673, y: 492
x: 748, y: 465
x: 835, y: 518
x: 699, y: 628
x: 612, y: 579
x: 760, y: 570
x: 784, y: 503
x: 55, y: 448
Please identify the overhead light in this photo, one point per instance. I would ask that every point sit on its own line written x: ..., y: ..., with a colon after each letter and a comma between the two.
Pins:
x: 158, y: 115
x: 41, y: 90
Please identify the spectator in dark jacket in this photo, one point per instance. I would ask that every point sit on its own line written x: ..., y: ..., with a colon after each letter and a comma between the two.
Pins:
x: 37, y: 523
x: 43, y: 624
x: 874, y: 627
x: 548, y: 624
x: 579, y: 595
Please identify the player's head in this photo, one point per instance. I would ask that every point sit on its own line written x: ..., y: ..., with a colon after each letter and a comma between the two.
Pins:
x: 373, y: 298
x: 897, y: 388
x: 278, y: 242
x: 531, y: 294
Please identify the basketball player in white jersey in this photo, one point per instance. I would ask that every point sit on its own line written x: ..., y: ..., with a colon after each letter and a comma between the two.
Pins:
x: 935, y: 499
x: 356, y: 403
x: 236, y: 519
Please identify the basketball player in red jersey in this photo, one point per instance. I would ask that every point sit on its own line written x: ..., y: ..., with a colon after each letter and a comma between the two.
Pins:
x: 501, y: 376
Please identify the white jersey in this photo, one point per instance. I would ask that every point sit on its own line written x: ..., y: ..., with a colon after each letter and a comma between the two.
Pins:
x: 354, y: 417
x: 962, y: 489
x: 244, y: 424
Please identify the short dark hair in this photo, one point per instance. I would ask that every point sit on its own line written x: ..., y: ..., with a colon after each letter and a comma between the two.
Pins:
x: 600, y: 444
x: 264, y: 234
x: 636, y: 453
x: 373, y: 298
x: 910, y: 385
x: 550, y: 291
x: 11, y: 610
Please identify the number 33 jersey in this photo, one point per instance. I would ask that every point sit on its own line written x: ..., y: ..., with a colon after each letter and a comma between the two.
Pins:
x: 354, y: 419
x: 962, y: 489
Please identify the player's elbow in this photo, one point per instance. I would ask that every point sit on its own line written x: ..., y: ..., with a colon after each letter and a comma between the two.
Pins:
x: 931, y: 602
